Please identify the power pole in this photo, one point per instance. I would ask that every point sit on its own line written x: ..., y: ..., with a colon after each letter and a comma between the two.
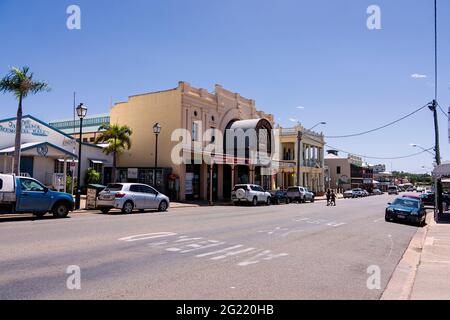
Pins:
x: 438, y: 184
x: 299, y: 146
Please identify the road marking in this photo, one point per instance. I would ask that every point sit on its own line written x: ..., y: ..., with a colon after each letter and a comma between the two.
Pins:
x: 147, y: 236
x: 292, y: 231
x: 378, y: 220
x: 218, y: 251
x: 229, y: 254
x: 265, y: 255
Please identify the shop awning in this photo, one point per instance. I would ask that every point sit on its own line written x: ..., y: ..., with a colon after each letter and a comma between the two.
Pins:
x: 97, y: 161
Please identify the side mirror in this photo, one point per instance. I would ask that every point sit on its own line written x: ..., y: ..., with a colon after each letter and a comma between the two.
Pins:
x: 389, y: 203
x: 45, y: 189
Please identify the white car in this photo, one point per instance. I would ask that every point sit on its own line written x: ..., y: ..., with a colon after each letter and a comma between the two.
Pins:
x: 130, y: 196
x: 250, y: 193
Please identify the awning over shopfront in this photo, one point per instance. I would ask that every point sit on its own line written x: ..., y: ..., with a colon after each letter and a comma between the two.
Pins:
x: 39, y: 149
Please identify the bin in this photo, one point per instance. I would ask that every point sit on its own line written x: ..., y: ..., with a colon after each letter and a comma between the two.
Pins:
x: 91, y: 195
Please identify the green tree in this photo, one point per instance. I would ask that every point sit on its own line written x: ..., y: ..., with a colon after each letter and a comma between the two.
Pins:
x: 118, y: 139
x: 92, y: 176
x: 20, y: 82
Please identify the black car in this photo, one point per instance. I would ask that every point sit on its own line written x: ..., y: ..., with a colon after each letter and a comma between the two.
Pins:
x: 406, y: 209
x: 428, y: 199
x: 279, y: 197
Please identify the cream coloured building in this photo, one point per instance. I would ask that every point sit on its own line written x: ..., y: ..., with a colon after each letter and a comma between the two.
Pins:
x: 195, y: 110
x: 311, y: 159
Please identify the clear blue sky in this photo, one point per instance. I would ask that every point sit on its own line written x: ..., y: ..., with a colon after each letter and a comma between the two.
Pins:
x: 284, y: 54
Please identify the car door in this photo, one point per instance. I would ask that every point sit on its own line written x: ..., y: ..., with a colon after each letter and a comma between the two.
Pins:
x: 137, y: 195
x: 151, y: 197
x: 34, y: 197
x: 262, y: 197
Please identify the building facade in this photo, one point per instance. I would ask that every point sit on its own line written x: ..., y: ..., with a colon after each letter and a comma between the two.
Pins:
x: 205, y: 116
x: 312, y: 159
x: 91, y: 125
x: 348, y: 172
x: 47, y: 154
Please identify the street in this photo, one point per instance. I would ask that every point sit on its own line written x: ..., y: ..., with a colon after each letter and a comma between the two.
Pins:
x: 296, y: 251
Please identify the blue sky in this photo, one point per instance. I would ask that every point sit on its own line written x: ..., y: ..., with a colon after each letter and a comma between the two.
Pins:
x: 284, y: 54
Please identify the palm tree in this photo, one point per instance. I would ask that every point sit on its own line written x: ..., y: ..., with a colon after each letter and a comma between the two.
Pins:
x: 118, y: 139
x: 20, y: 82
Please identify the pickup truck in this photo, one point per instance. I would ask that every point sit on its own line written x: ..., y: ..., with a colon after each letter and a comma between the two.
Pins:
x: 27, y: 195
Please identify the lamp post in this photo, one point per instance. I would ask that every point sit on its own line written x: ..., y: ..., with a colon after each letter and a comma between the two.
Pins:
x: 420, y: 147
x: 317, y: 124
x: 81, y: 112
x: 156, y: 131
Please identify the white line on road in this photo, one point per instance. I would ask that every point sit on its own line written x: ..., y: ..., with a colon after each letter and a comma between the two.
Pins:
x: 218, y: 251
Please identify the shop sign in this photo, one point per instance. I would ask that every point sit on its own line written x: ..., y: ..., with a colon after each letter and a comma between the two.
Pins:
x: 28, y: 127
x: 132, y: 173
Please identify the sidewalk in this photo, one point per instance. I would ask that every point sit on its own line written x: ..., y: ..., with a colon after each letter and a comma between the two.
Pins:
x: 424, y: 271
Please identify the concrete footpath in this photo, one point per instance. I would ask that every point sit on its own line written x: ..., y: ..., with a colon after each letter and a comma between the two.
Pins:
x: 424, y: 271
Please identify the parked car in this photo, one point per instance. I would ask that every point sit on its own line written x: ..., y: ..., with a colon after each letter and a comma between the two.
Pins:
x: 406, y: 209
x: 250, y: 193
x: 428, y: 199
x: 392, y: 190
x: 412, y: 196
x: 349, y: 194
x: 130, y: 196
x: 27, y: 195
x: 358, y: 192
x: 279, y: 197
x: 365, y: 193
x: 420, y: 189
x: 377, y: 192
x: 300, y: 194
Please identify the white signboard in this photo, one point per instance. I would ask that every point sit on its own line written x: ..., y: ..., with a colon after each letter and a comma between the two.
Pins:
x: 132, y: 173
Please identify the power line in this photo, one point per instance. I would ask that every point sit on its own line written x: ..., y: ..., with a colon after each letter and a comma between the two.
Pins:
x: 435, y: 52
x: 382, y: 158
x: 379, y: 128
x: 443, y: 111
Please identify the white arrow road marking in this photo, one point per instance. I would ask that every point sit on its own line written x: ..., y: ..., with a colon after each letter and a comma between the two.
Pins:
x: 265, y: 255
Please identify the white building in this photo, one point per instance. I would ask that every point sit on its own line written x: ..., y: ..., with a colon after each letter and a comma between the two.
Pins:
x: 48, y: 154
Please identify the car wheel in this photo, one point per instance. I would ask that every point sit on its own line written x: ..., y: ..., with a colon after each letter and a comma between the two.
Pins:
x: 163, y: 206
x: 268, y: 201
x: 60, y: 210
x: 254, y: 202
x: 312, y: 200
x: 387, y: 218
x: 288, y: 201
x: 128, y: 207
x: 105, y: 210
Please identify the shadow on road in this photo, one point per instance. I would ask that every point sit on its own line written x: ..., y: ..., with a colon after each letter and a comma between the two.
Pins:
x: 19, y: 218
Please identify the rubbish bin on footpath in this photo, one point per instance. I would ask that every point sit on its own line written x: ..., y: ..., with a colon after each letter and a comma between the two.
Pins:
x: 91, y: 195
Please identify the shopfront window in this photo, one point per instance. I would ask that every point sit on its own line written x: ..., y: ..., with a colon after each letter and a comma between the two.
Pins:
x: 192, y: 182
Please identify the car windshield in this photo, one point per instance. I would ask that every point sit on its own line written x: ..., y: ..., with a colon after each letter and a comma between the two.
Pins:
x: 409, y: 203
x: 114, y: 187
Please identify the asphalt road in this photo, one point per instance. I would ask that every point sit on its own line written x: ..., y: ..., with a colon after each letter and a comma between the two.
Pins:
x: 297, y: 251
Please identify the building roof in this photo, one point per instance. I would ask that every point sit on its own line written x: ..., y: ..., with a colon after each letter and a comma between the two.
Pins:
x: 331, y: 156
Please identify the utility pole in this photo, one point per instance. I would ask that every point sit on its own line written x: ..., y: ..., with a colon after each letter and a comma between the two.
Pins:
x: 437, y: 152
x: 299, y: 147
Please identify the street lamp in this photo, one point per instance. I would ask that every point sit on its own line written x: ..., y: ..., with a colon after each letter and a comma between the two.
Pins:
x: 156, y: 131
x: 420, y: 147
x: 299, y: 145
x: 318, y: 124
x: 81, y: 112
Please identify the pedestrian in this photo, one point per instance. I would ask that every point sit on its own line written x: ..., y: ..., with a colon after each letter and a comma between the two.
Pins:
x: 333, y: 198
x: 328, y: 197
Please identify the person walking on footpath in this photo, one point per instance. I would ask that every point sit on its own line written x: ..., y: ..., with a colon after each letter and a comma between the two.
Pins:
x: 328, y: 197
x: 333, y: 198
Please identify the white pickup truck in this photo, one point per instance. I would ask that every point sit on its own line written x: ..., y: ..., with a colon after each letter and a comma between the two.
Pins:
x: 27, y: 195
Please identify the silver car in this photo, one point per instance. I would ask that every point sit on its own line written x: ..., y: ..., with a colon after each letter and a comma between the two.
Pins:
x: 130, y: 196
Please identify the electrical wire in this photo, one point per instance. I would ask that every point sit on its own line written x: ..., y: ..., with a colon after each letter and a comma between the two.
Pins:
x: 382, y: 158
x: 379, y: 128
x: 443, y: 111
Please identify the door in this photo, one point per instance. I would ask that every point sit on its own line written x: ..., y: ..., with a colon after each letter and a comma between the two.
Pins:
x: 137, y: 196
x: 151, y: 197
x: 33, y: 196
x: 26, y: 165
